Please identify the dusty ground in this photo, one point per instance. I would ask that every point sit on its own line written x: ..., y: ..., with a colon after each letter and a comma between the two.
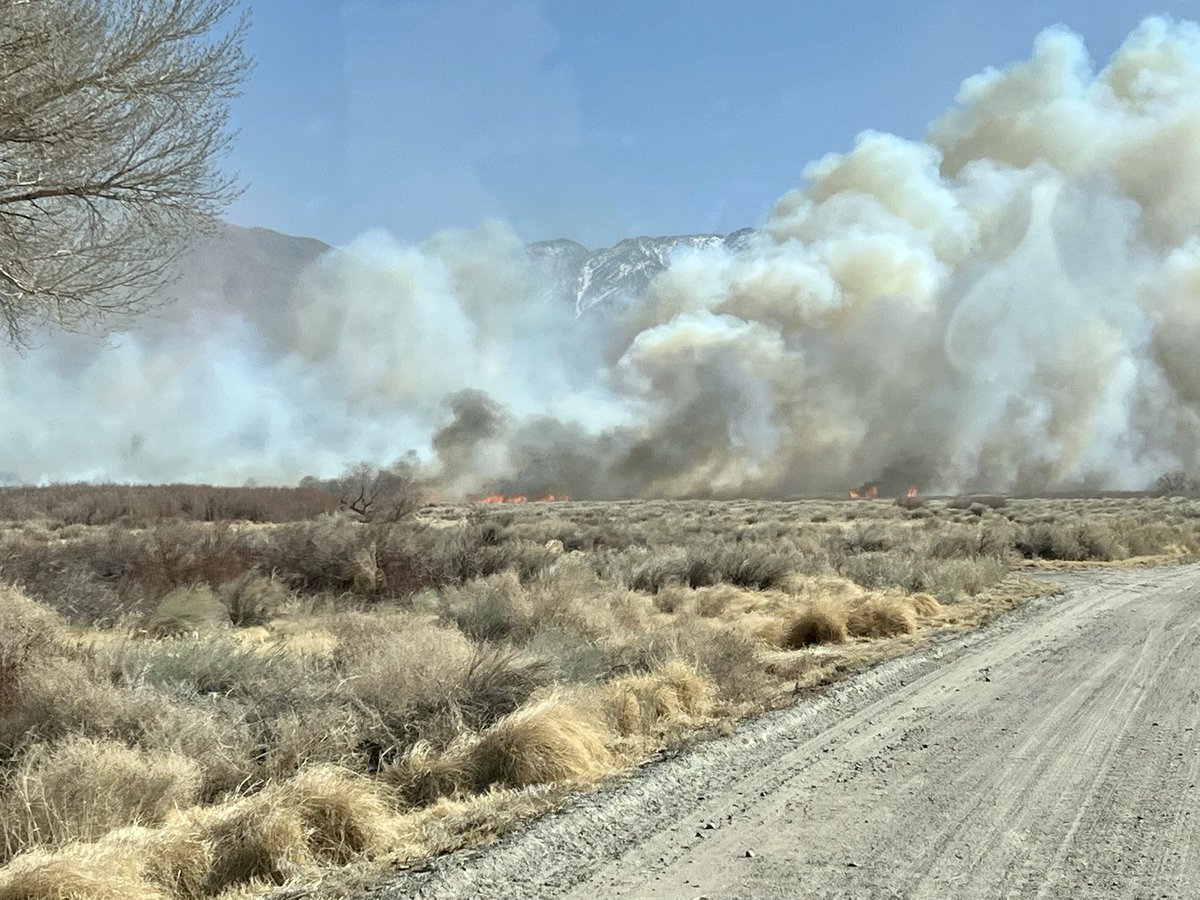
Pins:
x: 1050, y: 754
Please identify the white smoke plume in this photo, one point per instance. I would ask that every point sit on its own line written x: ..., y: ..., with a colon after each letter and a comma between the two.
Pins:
x: 1013, y: 303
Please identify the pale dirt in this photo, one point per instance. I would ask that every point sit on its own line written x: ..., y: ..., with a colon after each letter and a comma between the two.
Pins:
x: 1050, y: 754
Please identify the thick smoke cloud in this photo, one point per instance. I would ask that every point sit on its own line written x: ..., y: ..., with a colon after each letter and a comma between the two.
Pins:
x: 1013, y: 303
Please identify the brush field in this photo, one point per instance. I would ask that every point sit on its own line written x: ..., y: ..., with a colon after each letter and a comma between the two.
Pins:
x: 195, y: 706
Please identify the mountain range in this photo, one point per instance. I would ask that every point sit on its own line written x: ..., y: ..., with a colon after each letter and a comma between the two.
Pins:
x: 254, y: 269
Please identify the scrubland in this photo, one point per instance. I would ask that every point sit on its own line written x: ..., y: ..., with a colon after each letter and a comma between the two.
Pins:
x: 194, y: 707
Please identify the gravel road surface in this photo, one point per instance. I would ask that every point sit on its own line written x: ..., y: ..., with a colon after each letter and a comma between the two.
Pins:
x: 1050, y: 754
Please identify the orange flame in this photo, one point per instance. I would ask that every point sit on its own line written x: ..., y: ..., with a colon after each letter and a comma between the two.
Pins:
x: 521, y: 498
x: 873, y: 490
x: 855, y: 495
x: 912, y: 491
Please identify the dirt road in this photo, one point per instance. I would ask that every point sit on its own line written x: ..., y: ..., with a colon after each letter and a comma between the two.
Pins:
x: 1052, y: 754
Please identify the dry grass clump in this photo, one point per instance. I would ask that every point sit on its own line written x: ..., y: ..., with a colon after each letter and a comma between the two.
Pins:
x: 651, y: 704
x: 881, y: 616
x: 252, y: 599
x: 80, y: 789
x: 188, y: 610
x: 820, y: 622
x: 27, y: 629
x: 176, y: 859
x: 548, y: 742
x: 925, y: 605
x: 324, y: 815
x: 424, y: 773
x: 78, y: 873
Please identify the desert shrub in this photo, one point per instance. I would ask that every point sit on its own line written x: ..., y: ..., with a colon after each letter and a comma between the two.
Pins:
x: 324, y: 815
x: 743, y: 565
x: 673, y: 597
x: 415, y: 662
x: 169, y: 556
x: 174, y: 859
x: 187, y: 610
x: 879, y: 570
x: 1151, y: 539
x: 214, y: 664
x: 954, y: 543
x: 314, y: 556
x: 343, y: 814
x: 252, y: 599
x: 728, y: 658
x: 139, y: 505
x: 661, y: 569
x: 570, y: 657
x: 712, y: 601
x: 1083, y: 541
x: 326, y: 731
x: 496, y: 682
x: 869, y: 538
x: 80, y: 789
x: 951, y: 578
x: 817, y: 623
x: 880, y: 617
x: 986, y: 501
x: 494, y: 608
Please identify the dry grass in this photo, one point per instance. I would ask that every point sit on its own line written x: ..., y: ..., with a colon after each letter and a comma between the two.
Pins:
x: 548, y: 742
x: 78, y: 873
x: 193, y: 710
x: 819, y: 623
x: 881, y: 617
x: 80, y: 789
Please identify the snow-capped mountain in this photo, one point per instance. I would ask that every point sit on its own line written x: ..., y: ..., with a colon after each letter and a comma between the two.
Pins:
x: 593, y: 279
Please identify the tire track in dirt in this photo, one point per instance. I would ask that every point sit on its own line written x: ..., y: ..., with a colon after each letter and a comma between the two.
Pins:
x: 1049, y: 754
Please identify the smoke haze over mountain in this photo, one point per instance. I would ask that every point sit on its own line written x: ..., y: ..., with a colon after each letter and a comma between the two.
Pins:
x: 1013, y: 303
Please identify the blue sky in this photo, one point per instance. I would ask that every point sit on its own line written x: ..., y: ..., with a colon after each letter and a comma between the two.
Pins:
x: 598, y: 119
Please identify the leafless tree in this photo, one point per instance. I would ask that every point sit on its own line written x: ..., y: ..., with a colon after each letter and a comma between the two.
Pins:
x: 113, y: 119
x: 379, y: 494
x: 1175, y: 483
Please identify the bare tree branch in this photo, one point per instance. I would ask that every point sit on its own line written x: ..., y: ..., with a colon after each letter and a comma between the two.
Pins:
x: 113, y: 119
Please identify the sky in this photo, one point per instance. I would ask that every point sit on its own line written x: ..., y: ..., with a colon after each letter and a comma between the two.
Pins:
x: 598, y: 120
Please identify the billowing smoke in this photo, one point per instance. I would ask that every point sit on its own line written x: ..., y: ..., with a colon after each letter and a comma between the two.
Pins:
x: 1013, y: 303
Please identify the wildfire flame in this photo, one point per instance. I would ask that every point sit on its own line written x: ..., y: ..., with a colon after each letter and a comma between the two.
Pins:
x: 911, y: 492
x: 521, y: 498
x: 866, y: 492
